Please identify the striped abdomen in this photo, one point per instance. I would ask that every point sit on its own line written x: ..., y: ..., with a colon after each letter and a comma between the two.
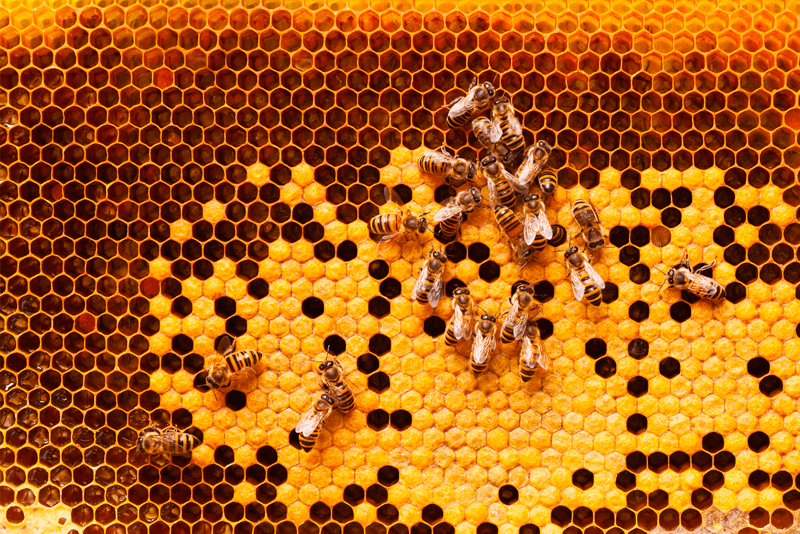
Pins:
x: 548, y: 182
x: 344, y: 398
x: 433, y: 164
x: 307, y: 442
x: 478, y: 368
x: 508, y: 221
x: 505, y: 193
x: 525, y: 371
x: 182, y: 443
x: 592, y: 294
x: 244, y: 358
x: 386, y: 224
x: 514, y: 141
x: 450, y: 334
x: 559, y: 236
x: 449, y: 227
x: 539, y: 242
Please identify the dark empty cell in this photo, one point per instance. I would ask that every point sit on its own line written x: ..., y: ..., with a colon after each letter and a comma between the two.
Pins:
x: 639, y: 274
x: 258, y: 288
x: 758, y: 480
x: 746, y: 273
x: 770, y: 385
x: 679, y: 461
x: 388, y: 514
x: 478, y: 252
x: 347, y: 251
x: 378, y: 382
x: 388, y: 475
x: 353, y: 495
x: 629, y: 255
x: 324, y: 251
x: 724, y: 197
x: 680, y: 311
x: 235, y: 400
x: 636, y: 424
x: 605, y: 367
x: 640, y: 198
x: 508, y: 494
x: 724, y: 461
x: 266, y: 455
x: 379, y: 269
x: 639, y: 311
x: 380, y: 344
x: 671, y: 217
x: 224, y: 307
x: 669, y: 367
x: 561, y: 516
x: 758, y: 367
x: 661, y: 198
x: 401, y: 420
x: 758, y: 441
x: 782, y: 519
x: 782, y: 253
x: 638, y: 386
x: 724, y: 236
x: 735, y: 216
x: 277, y: 474
x: 596, y: 348
x: 770, y: 273
x: 434, y: 326
x: 378, y: 419
x: 367, y: 363
x: 390, y: 288
x: 422, y: 528
x: 713, y: 480
x: 791, y: 499
x: 640, y: 236
x: 758, y: 215
x: 792, y: 233
x: 376, y: 495
x: 638, y: 348
x: 636, y: 500
x: 782, y: 481
x: 583, y: 479
x: 313, y: 307
x: 236, y: 326
x: 702, y: 461
x: 379, y: 307
x: 735, y: 254
x: 626, y: 518
x: 334, y: 344
x: 702, y: 498
x: 682, y: 197
x: 619, y: 236
x: 489, y: 271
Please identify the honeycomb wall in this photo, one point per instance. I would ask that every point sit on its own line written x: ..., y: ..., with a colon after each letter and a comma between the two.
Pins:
x: 170, y: 173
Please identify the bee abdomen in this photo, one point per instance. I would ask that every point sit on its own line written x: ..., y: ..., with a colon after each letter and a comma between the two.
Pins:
x: 508, y: 221
x: 385, y: 224
x: 478, y: 368
x: 449, y: 227
x: 307, y: 442
x: 346, y: 401
x: 450, y: 335
x: 548, y: 181
x: 526, y: 373
x: 245, y: 358
x: 457, y: 121
x: 507, y: 335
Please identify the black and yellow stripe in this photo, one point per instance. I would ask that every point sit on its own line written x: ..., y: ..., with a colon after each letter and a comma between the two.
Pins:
x: 508, y: 221
x: 548, y: 181
x: 244, y: 358
x: 386, y: 224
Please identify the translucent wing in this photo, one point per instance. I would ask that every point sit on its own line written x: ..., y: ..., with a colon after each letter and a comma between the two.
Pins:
x: 310, y: 421
x: 464, y: 105
x: 708, y: 267
x: 514, y: 125
x: 420, y: 283
x: 391, y: 196
x: 387, y: 241
x: 543, y: 360
x: 459, y: 323
x: 482, y: 348
x: 526, y: 353
x: 519, y: 328
x: 226, y: 345
x: 492, y: 188
x: 596, y: 278
x: 520, y: 188
x: 577, y: 286
x: 495, y: 132
x: 437, y: 157
x: 524, y: 173
x: 544, y: 225
x: 436, y: 292
x: 530, y: 227
x: 449, y: 209
x: 512, y: 313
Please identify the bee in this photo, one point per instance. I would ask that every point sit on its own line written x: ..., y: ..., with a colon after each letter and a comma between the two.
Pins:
x: 547, y: 181
x: 536, y: 221
x: 517, y: 316
x: 534, y: 161
x: 457, y: 171
x: 586, y: 216
x: 500, y: 183
x: 331, y: 373
x: 584, y: 279
x: 532, y: 355
x: 392, y: 226
x: 220, y: 374
x: 429, y: 287
x: 311, y: 422
x: 459, y: 326
x: 508, y: 221
x: 478, y: 98
x: 153, y: 440
x: 484, y: 344
x: 521, y: 250
x: 506, y: 126
x: 482, y: 127
x: 685, y: 277
x: 449, y: 215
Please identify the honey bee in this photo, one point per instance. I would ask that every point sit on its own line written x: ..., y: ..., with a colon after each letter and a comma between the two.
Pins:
x: 506, y: 126
x: 429, y: 287
x: 392, y: 226
x: 532, y: 355
x: 220, y: 374
x: 684, y: 277
x: 153, y: 440
x: 500, y: 183
x: 459, y: 326
x: 517, y: 317
x: 478, y: 98
x: 482, y: 127
x: 584, y: 279
x: 457, y: 171
x: 547, y: 181
x: 586, y: 216
x: 536, y: 221
x: 534, y: 161
x: 484, y: 344
x: 310, y: 423
x: 331, y: 373
x: 449, y: 215
x: 521, y: 250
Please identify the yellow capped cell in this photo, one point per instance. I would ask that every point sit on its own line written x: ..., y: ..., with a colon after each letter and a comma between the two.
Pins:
x: 714, y: 178
x: 782, y: 215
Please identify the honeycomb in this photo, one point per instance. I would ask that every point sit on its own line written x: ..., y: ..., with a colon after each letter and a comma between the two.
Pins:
x: 173, y: 172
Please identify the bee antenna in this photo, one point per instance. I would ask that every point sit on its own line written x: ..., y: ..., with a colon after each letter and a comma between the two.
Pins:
x: 496, y: 74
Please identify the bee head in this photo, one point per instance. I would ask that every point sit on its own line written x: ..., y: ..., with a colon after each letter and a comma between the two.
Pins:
x: 476, y: 194
x: 327, y: 364
x: 438, y: 256
x: 461, y: 167
x: 324, y: 402
x: 677, y: 277
x: 489, y: 88
x: 488, y: 160
x: 471, y: 172
x: 145, y: 444
x: 543, y: 146
x: 331, y: 373
x: 460, y: 291
x: 423, y: 225
x: 487, y: 317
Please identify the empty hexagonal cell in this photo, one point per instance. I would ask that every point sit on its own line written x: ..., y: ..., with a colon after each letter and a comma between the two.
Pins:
x: 637, y: 386
x: 605, y: 367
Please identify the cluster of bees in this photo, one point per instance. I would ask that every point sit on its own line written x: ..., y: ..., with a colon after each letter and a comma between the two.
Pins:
x: 519, y: 210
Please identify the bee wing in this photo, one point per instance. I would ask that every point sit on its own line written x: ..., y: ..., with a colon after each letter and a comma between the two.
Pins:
x: 513, y: 124
x: 449, y: 209
x: 530, y: 227
x: 492, y: 188
x: 482, y: 348
x: 420, y: 283
x: 577, y: 287
x: 511, y: 312
x: 226, y: 345
x: 520, y: 187
x: 436, y: 291
x: 387, y: 241
x: 544, y: 225
x: 464, y: 105
x: 543, y: 360
x: 310, y: 421
x: 526, y: 353
x: 458, y: 322
x: 596, y: 278
x: 519, y: 328
x: 495, y: 132
x: 438, y: 156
